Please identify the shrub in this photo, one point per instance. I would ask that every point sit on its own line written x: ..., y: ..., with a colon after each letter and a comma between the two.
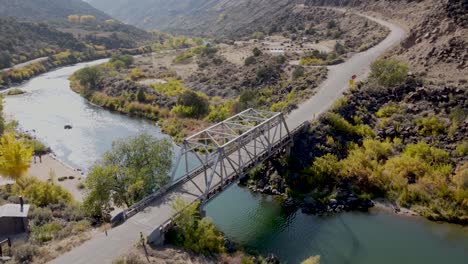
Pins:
x: 461, y: 177
x: 24, y: 253
x: 15, y: 91
x: 40, y: 216
x: 124, y: 60
x: 249, y: 61
x: 199, y: 105
x: 46, y: 232
x: 388, y: 110
x: 220, y: 112
x: 431, y: 126
x: 137, y: 74
x: 247, y: 99
x: 298, y: 72
x: 173, y: 87
x: 324, y: 168
x: 279, y: 106
x: 195, y: 234
x: 310, y: 61
x: 462, y: 149
x: 339, y: 48
x: 340, y: 124
x: 389, y: 73
x: 44, y: 193
x: 426, y: 153
x: 256, y: 52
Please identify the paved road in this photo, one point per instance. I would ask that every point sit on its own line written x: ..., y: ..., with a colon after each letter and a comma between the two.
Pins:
x: 339, y: 75
x: 104, y: 249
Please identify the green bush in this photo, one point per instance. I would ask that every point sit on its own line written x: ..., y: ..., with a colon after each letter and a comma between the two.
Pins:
x: 298, y: 72
x: 193, y: 233
x: 249, y: 61
x: 431, y: 126
x: 192, y: 104
x: 89, y: 77
x: 427, y: 153
x: 45, y: 193
x: 389, y: 73
x: 46, y: 232
x: 40, y: 216
x: 462, y: 149
x: 121, y: 60
x: 388, y: 110
x: 256, y: 52
x: 340, y: 125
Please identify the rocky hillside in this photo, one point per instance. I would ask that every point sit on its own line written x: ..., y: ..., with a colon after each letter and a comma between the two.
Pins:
x: 438, y: 34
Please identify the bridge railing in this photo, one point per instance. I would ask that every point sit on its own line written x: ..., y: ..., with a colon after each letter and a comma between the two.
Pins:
x: 139, y: 206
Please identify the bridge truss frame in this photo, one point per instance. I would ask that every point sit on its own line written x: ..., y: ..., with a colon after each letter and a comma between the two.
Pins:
x: 226, y: 148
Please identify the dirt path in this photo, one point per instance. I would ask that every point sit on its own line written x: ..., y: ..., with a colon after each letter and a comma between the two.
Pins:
x: 339, y: 75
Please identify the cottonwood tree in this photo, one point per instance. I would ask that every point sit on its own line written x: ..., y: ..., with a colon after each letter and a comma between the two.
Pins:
x: 131, y: 170
x: 15, y: 156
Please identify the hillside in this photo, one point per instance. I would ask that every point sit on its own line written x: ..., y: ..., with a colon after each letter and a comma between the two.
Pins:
x: 48, y: 10
x: 205, y: 17
x: 31, y: 29
x: 22, y: 41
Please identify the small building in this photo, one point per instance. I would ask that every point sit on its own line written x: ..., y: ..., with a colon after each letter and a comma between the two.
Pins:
x: 13, y: 219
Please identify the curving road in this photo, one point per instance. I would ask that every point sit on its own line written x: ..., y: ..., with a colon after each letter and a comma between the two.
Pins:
x: 104, y: 249
x: 339, y: 75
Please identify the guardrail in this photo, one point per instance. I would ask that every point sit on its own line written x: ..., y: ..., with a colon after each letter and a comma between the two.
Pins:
x: 139, y: 206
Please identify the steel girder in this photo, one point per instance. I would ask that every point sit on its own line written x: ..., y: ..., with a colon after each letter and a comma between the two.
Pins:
x: 226, y: 148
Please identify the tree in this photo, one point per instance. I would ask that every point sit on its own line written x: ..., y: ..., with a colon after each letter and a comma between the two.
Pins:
x: 198, y: 104
x: 99, y: 188
x: 74, y: 19
x: 131, y: 170
x: 389, y: 73
x: 125, y: 60
x: 87, y: 19
x: 15, y: 156
x: 89, y: 77
x: 193, y: 233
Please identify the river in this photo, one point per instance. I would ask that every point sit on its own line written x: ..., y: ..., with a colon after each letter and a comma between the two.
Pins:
x: 255, y: 221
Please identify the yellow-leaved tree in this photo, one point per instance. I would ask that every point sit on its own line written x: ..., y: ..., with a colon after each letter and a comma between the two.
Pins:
x: 15, y: 157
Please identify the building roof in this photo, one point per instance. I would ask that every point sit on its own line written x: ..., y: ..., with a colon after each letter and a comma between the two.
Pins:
x: 14, y: 210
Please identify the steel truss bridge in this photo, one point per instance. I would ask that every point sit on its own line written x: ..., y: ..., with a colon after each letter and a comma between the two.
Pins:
x: 211, y: 160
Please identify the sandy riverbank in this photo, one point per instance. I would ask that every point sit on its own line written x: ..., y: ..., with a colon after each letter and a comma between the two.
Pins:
x: 42, y: 169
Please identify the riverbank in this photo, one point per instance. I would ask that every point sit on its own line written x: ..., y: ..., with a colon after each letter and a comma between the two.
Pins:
x: 19, y: 74
x: 63, y: 175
